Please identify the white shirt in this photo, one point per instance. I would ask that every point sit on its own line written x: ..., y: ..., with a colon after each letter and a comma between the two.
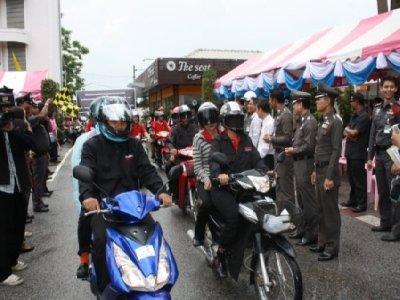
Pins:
x: 267, y: 128
x: 255, y: 129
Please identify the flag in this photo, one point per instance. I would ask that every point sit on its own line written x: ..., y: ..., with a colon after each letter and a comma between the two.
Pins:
x: 16, y: 62
x: 63, y: 100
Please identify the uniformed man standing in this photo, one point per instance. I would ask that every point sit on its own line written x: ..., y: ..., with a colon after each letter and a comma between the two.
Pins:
x: 326, y: 175
x: 357, y: 134
x: 385, y: 115
x: 282, y: 138
x: 302, y: 152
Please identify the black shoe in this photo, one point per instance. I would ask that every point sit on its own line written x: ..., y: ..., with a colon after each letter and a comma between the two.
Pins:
x: 47, y: 194
x: 381, y: 228
x: 83, y: 271
x: 359, y: 209
x: 30, y: 217
x: 28, y: 221
x: 325, y: 256
x: 295, y: 235
x: 348, y: 204
x: 197, y: 242
x: 317, y: 249
x: 306, y: 242
x: 50, y: 172
x: 219, y: 265
x: 41, y: 209
x: 390, y: 237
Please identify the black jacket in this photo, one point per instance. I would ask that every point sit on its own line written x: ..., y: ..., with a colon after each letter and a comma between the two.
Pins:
x: 118, y: 167
x: 182, y: 136
x: 19, y: 143
x: 246, y: 158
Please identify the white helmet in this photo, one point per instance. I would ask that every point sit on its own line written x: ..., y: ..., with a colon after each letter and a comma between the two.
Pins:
x: 249, y: 95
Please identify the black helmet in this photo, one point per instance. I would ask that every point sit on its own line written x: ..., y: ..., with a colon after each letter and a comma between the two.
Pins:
x: 232, y: 116
x: 185, y: 112
x: 207, y: 114
x: 114, y: 109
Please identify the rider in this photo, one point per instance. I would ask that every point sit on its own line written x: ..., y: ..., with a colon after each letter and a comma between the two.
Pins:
x: 118, y: 163
x: 159, y: 124
x: 84, y: 231
x: 138, y: 130
x: 174, y: 120
x: 242, y: 155
x: 181, y: 137
x: 208, y: 117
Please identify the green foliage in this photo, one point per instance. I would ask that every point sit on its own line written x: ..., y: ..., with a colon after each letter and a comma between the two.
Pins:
x: 73, y: 51
x: 344, y: 105
x: 207, y: 86
x: 49, y: 88
x: 313, y: 108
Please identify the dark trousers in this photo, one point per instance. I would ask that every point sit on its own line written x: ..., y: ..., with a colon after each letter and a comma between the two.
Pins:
x: 284, y: 183
x: 224, y: 202
x: 39, y: 172
x: 329, y: 215
x: 84, y: 232
x: 358, y: 181
x: 99, y: 250
x: 12, y: 224
x: 383, y: 175
x: 306, y: 198
x: 203, y: 211
x: 53, y: 151
x: 395, y: 198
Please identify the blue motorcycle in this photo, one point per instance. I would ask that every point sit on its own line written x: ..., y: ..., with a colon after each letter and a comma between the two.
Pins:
x: 140, y: 262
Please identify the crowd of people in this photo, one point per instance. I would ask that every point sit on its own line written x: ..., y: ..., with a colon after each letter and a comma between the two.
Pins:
x: 28, y: 142
x: 301, y: 151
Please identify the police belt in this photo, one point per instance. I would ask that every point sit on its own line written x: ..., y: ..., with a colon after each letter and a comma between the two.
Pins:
x: 321, y: 164
x: 297, y: 157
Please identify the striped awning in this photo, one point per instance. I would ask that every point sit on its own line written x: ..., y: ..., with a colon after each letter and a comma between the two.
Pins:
x: 23, y: 81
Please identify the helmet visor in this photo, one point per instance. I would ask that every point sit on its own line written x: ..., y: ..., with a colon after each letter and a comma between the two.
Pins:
x: 117, y: 112
x: 209, y: 116
x: 234, y: 122
x: 185, y: 115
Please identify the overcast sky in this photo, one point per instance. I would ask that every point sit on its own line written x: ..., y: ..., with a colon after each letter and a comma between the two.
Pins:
x: 122, y: 33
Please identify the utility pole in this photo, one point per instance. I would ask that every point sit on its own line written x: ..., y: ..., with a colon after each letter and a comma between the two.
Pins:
x: 134, y: 73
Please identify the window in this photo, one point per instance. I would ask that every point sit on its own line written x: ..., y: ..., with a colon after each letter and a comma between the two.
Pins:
x: 15, y: 13
x: 19, y: 50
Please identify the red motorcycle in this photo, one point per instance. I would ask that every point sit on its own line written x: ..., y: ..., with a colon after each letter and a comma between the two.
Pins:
x: 187, y: 182
x: 161, y: 149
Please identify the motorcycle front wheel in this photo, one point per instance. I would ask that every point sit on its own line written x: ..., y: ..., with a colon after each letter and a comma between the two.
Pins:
x: 285, y: 280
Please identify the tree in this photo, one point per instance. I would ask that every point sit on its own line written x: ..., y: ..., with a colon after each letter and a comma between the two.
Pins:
x: 73, y: 52
x: 207, y: 87
x: 49, y: 88
x: 344, y: 105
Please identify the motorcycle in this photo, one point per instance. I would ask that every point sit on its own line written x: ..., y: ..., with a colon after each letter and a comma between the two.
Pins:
x: 139, y: 260
x: 188, y: 199
x: 161, y: 148
x: 272, y: 264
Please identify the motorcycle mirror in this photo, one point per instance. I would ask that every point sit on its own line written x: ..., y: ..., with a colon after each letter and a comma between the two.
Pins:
x: 83, y: 173
x: 175, y: 172
x: 220, y: 158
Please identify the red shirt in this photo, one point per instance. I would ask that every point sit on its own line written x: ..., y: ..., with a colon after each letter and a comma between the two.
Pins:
x: 138, y: 130
x: 235, y: 143
x: 160, y: 126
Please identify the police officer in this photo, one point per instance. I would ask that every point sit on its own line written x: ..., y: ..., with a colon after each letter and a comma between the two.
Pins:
x: 326, y: 175
x: 385, y: 115
x: 357, y: 134
x: 282, y: 138
x: 302, y: 152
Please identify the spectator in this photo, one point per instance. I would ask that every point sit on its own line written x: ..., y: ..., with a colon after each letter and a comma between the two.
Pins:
x: 53, y: 137
x: 251, y: 121
x: 14, y: 184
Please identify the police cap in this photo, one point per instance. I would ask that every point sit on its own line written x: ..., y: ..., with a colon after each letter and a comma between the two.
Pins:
x: 325, y: 90
x: 24, y: 98
x: 299, y: 96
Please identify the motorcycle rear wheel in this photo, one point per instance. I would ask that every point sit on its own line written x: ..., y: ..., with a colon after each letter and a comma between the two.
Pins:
x: 284, y: 276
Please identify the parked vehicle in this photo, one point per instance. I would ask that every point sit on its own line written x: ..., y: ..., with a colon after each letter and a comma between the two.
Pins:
x: 272, y: 260
x: 139, y: 260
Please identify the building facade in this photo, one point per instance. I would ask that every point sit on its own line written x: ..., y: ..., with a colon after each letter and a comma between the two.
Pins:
x: 30, y: 34
x: 169, y: 82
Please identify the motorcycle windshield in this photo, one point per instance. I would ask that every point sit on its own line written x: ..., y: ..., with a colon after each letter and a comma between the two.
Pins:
x: 133, y: 205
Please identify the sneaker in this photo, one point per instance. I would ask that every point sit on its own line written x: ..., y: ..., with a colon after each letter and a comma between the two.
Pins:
x: 83, y: 271
x: 19, y: 266
x: 12, y: 280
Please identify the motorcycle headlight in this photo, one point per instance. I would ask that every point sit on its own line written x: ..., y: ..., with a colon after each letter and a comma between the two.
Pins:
x: 134, y: 278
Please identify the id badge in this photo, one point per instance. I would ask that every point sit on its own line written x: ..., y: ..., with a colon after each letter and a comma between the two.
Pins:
x: 387, y: 129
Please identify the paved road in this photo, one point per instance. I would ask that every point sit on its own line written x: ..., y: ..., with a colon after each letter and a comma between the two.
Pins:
x: 366, y: 268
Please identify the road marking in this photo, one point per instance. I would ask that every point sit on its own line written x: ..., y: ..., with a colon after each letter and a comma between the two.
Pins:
x: 369, y: 219
x: 54, y: 175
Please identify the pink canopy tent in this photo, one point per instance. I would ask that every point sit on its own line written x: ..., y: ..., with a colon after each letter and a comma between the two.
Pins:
x: 23, y: 82
x: 351, y: 47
